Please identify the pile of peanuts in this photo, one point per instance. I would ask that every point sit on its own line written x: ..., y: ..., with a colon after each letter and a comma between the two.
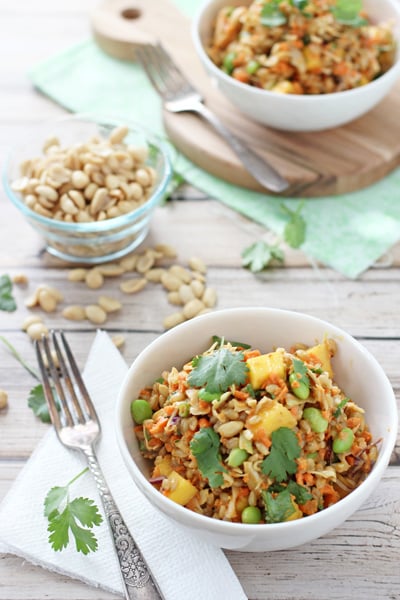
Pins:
x: 186, y: 287
x: 86, y: 182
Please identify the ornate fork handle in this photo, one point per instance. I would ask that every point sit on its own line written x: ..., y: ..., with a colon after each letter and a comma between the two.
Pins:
x: 136, y: 575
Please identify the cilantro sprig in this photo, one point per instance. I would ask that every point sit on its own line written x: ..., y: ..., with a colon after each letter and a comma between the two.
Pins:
x: 260, y: 255
x: 217, y: 371
x: 205, y: 446
x: 271, y: 15
x: 36, y: 398
x: 7, y: 300
x: 66, y: 516
x: 281, y: 461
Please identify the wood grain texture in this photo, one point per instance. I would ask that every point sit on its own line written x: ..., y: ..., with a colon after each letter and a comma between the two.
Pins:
x: 316, y: 164
x: 359, y: 559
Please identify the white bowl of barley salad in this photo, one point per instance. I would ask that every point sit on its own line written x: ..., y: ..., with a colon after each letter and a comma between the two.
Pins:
x: 355, y: 371
x: 88, y: 184
x: 289, y: 76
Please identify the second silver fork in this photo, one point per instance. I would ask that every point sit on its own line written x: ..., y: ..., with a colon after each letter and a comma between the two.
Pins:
x: 179, y: 95
x: 78, y: 427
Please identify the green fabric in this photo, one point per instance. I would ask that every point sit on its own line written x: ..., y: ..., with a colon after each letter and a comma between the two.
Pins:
x: 348, y: 232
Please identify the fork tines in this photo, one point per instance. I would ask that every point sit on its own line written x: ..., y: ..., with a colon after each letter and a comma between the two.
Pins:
x: 161, y: 69
x: 63, y: 382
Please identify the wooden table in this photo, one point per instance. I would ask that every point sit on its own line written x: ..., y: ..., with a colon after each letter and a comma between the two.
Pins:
x: 358, y: 560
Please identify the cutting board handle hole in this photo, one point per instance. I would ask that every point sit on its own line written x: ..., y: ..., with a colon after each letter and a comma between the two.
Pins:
x: 131, y: 13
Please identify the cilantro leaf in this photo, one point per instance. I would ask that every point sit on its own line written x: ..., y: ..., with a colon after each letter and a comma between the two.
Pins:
x: 299, y: 492
x: 278, y: 508
x: 339, y: 407
x: 300, y: 369
x: 285, y: 448
x: 7, y: 301
x: 271, y: 15
x: 260, y: 255
x: 205, y: 448
x: 295, y: 229
x: 37, y: 402
x: 347, y: 12
x: 219, y: 370
x: 220, y: 340
x: 65, y: 516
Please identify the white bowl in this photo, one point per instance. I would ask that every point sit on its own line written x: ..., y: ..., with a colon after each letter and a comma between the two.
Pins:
x: 356, y: 372
x: 295, y: 112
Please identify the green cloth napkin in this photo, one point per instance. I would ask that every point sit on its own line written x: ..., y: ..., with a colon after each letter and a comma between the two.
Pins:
x: 347, y: 232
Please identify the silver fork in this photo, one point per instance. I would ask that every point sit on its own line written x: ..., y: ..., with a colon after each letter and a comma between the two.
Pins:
x: 78, y: 427
x: 179, y: 95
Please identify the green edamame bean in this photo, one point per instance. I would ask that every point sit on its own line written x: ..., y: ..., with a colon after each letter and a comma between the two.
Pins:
x: 344, y: 441
x: 252, y: 67
x: 236, y: 457
x: 251, y: 515
x: 299, y: 388
x: 317, y: 422
x: 208, y: 396
x: 227, y: 63
x: 140, y: 410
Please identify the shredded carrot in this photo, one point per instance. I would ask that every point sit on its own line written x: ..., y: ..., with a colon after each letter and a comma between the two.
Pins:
x: 260, y: 435
x: 243, y: 492
x: 204, y: 405
x: 309, y: 478
x: 353, y: 422
x: 158, y: 426
x: 203, y: 422
x: 169, y: 409
x: 329, y: 494
x: 241, y: 75
x: 241, y: 395
x: 251, y: 354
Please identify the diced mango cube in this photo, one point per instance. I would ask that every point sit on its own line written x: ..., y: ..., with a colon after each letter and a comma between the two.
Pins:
x: 272, y: 418
x: 164, y: 466
x: 262, y: 367
x: 312, y: 58
x: 181, y: 490
x: 322, y: 355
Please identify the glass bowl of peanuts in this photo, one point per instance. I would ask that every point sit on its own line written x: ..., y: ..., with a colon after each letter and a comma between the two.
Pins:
x: 88, y: 185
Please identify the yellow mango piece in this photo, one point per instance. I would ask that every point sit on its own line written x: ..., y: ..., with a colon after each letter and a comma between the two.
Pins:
x: 272, y: 418
x: 297, y: 514
x: 283, y: 87
x: 312, y: 58
x: 263, y: 366
x: 181, y: 490
x: 322, y: 353
x: 164, y: 466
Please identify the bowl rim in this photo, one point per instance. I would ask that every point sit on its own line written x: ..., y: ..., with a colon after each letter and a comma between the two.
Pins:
x: 107, y: 224
x: 393, y: 71
x: 342, y: 507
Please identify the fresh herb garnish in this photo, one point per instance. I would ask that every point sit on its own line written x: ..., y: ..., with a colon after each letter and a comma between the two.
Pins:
x: 300, y: 4
x: 347, y: 12
x: 64, y: 516
x: 300, y: 370
x: 7, y: 301
x: 295, y: 229
x: 278, y: 508
x: 280, y: 462
x: 205, y: 447
x: 36, y: 399
x: 216, y: 372
x: 339, y: 407
x: 260, y: 255
x: 271, y: 15
x: 220, y: 341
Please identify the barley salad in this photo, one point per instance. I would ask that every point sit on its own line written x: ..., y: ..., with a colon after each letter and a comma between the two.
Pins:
x: 255, y: 438
x: 301, y: 46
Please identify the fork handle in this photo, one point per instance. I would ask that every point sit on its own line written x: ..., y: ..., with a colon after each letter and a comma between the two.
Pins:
x: 136, y: 575
x: 261, y: 170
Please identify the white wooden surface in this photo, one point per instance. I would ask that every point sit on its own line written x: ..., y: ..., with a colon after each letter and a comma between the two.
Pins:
x: 358, y: 560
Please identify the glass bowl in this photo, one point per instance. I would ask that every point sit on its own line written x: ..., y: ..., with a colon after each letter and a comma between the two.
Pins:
x: 74, y: 150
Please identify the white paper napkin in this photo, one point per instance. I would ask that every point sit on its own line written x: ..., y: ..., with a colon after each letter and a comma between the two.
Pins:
x: 184, y: 566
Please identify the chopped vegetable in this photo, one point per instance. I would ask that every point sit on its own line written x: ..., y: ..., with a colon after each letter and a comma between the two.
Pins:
x: 7, y: 300
x: 205, y: 447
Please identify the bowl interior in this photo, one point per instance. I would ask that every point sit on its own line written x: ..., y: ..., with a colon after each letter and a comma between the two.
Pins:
x: 356, y: 371
x: 378, y: 10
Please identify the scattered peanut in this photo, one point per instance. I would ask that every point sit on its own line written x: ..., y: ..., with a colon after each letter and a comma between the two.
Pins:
x: 197, y: 264
x: 209, y: 297
x: 94, y: 279
x: 173, y: 320
x: 170, y: 282
x: 175, y: 298
x: 3, y: 399
x: 132, y: 286
x: 192, y: 308
x: 95, y: 314
x: 30, y: 320
x: 118, y: 340
x: 111, y: 270
x: 77, y: 274
x: 20, y: 279
x: 74, y: 313
x: 109, y: 304
x: 37, y: 330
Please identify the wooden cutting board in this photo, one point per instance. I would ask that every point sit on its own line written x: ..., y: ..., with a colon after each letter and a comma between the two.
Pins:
x: 316, y: 164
